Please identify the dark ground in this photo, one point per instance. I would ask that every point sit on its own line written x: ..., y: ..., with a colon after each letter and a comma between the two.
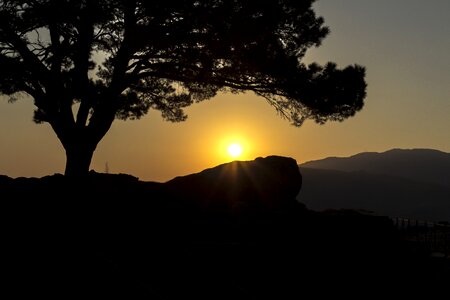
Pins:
x: 112, y: 236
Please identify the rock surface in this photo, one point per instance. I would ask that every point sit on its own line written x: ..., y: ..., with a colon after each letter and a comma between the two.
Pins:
x: 263, y: 184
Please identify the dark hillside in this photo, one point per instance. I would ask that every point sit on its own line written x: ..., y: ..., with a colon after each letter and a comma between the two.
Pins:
x: 421, y: 165
x: 113, y: 236
x: 381, y: 194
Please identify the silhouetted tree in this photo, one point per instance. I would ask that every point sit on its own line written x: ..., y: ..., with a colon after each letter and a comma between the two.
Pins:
x: 117, y: 59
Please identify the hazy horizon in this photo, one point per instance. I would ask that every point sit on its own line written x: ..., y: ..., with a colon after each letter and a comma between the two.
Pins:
x: 404, y: 46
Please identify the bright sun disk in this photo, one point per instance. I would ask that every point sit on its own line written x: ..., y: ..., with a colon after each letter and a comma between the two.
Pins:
x: 234, y: 150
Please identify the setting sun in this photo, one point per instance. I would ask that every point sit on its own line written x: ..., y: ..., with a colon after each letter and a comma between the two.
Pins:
x: 234, y: 150
x: 232, y: 146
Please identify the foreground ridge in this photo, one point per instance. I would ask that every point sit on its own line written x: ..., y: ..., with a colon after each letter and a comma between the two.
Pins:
x: 234, y: 231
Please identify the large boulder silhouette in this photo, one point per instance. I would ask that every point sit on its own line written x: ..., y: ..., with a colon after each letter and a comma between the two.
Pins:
x: 270, y: 183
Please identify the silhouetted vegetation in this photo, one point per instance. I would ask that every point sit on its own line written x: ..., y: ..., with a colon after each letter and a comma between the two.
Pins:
x: 131, y: 239
x: 118, y: 59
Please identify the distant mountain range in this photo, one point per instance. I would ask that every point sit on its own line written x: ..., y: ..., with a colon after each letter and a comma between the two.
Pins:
x: 406, y: 183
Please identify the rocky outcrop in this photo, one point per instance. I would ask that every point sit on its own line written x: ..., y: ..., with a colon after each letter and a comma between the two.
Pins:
x: 113, y: 235
x: 241, y: 187
x: 270, y: 183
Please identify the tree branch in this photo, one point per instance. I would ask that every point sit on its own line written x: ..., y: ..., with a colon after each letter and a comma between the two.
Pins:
x: 56, y: 45
x: 36, y: 66
x: 81, y: 61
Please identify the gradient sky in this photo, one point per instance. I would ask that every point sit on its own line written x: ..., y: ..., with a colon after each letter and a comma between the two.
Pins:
x: 404, y: 44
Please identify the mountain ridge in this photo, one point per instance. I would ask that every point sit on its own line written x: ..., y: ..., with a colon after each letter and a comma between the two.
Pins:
x: 422, y: 165
x: 412, y: 183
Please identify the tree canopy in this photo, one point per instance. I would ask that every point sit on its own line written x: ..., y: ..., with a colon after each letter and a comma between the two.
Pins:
x: 118, y: 59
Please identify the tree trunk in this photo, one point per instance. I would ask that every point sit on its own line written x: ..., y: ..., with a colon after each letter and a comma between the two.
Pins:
x: 79, y: 140
x: 78, y: 159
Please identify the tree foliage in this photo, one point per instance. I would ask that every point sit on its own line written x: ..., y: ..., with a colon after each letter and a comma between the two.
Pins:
x: 118, y: 59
